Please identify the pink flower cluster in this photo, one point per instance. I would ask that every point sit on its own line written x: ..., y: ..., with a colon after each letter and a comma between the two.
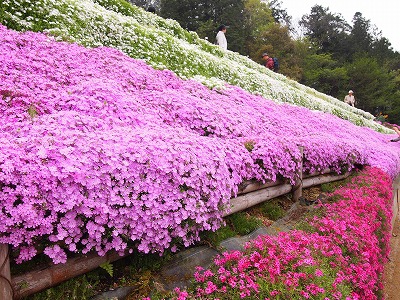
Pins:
x: 360, y: 223
x: 99, y: 151
x: 341, y: 257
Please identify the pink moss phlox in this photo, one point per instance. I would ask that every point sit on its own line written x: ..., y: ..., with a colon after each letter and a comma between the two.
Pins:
x: 349, y: 240
x: 101, y: 152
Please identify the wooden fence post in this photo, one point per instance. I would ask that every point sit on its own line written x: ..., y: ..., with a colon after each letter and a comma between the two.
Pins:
x: 6, y: 292
x: 298, y: 186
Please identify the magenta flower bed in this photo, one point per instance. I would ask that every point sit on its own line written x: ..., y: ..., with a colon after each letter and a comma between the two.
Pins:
x: 99, y: 151
x: 340, y: 256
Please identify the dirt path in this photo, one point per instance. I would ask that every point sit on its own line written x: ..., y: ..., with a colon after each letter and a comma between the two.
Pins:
x: 392, y: 268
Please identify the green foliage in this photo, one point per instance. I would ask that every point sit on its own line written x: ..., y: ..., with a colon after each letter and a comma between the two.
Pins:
x: 360, y: 36
x: 239, y: 223
x: 243, y: 223
x: 32, y: 111
x: 272, y: 210
x: 108, y: 267
x: 373, y: 86
x: 327, y: 31
x: 258, y: 16
x: 249, y: 145
x: 204, y: 17
x: 214, y: 238
x: 277, y: 41
x: 324, y: 74
x: 332, y: 186
x: 280, y: 14
x: 361, y: 60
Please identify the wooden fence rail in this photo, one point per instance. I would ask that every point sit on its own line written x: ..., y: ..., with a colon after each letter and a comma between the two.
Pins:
x: 35, y: 281
x: 269, y: 191
x: 38, y: 280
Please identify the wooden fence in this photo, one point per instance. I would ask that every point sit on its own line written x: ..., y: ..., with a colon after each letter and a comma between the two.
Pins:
x: 251, y: 194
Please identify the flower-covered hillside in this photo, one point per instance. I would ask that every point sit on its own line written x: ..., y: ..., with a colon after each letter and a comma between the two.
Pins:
x: 165, y: 45
x: 100, y: 151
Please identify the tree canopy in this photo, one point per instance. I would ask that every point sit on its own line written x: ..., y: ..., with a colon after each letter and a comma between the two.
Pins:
x: 331, y: 56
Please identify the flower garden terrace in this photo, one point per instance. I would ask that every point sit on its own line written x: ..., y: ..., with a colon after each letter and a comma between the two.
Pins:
x: 164, y: 44
x: 100, y: 151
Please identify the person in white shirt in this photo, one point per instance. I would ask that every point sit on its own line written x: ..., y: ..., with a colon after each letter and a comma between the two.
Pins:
x: 349, y: 99
x: 220, y: 39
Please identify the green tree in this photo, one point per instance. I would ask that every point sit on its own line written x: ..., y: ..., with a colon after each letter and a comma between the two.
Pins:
x: 204, y: 17
x: 393, y: 103
x: 383, y: 52
x: 373, y: 85
x: 186, y: 12
x: 360, y: 38
x: 324, y: 74
x: 280, y: 14
x: 258, y: 17
x: 278, y: 42
x: 328, y: 32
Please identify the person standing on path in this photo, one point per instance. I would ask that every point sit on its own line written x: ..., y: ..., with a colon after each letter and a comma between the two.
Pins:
x: 220, y: 39
x: 349, y: 99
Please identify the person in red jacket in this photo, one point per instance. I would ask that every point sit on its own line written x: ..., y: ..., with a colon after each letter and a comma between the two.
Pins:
x: 268, y: 61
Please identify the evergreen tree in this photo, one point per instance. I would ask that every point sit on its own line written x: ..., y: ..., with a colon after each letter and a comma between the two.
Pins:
x: 280, y: 14
x: 360, y: 37
x: 372, y: 84
x: 328, y: 32
x: 205, y: 16
x: 258, y: 17
x: 324, y: 74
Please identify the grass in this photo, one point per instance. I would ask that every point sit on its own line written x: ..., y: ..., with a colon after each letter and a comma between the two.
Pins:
x: 272, y: 210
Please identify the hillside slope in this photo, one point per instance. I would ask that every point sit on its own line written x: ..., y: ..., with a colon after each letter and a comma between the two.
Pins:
x: 165, y: 45
x: 99, y: 151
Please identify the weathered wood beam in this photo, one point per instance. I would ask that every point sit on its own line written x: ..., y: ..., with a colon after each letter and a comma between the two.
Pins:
x: 6, y: 292
x: 245, y: 201
x: 248, y: 200
x: 38, y: 280
x: 298, y: 185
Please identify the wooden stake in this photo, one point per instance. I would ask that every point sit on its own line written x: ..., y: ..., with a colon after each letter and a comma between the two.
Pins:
x: 6, y: 292
x: 298, y: 186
